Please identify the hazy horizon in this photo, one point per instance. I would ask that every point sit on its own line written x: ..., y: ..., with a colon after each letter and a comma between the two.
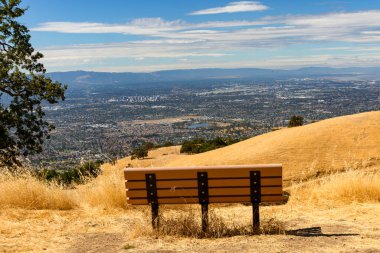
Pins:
x: 196, y: 69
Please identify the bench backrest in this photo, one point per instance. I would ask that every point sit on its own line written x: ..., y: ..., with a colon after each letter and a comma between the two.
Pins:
x: 211, y: 184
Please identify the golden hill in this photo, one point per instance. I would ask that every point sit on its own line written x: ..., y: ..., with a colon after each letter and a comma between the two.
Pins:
x: 331, y: 144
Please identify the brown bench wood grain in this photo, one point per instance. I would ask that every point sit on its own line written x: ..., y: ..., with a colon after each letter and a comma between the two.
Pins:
x: 204, y: 185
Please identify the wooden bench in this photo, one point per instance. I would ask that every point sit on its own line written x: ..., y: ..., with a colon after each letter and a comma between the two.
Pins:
x: 254, y: 184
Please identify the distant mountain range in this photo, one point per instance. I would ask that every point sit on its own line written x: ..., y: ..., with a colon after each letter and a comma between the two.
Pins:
x: 128, y: 78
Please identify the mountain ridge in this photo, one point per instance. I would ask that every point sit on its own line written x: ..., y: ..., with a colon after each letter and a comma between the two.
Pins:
x: 92, y: 77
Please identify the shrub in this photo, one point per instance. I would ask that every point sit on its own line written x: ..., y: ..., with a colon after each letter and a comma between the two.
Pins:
x: 201, y: 145
x: 140, y: 152
x: 76, y: 175
x: 295, y: 121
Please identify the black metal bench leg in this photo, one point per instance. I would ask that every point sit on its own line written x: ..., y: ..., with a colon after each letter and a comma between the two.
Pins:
x: 155, y: 218
x: 255, y: 178
x: 203, y: 198
x: 204, y: 217
x: 256, y: 218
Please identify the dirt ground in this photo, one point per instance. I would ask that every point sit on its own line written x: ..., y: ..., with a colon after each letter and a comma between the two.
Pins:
x: 353, y: 228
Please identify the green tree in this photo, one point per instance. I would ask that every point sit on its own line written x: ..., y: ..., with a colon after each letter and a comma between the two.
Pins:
x: 140, y: 152
x: 149, y: 145
x: 78, y: 175
x: 23, y: 89
x: 295, y: 121
x: 201, y: 145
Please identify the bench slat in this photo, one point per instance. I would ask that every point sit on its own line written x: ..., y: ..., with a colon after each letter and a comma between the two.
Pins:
x: 231, y: 199
x: 211, y: 183
x: 212, y: 192
x: 190, y: 173
x: 226, y: 184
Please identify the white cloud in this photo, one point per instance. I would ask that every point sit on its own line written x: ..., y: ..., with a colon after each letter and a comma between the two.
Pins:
x: 144, y: 26
x: 242, y: 6
x: 355, y: 27
x: 343, y: 19
x: 76, y: 54
x: 215, y: 40
x: 281, y: 62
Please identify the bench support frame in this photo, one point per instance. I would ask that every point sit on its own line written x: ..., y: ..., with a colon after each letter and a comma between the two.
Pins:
x: 155, y: 217
x: 255, y: 185
x: 255, y: 218
x: 203, y: 195
x: 203, y: 198
x: 204, y: 208
x: 151, y: 190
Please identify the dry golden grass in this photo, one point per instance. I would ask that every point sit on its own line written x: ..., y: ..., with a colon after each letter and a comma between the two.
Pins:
x: 352, y: 186
x: 25, y: 191
x: 157, y: 157
x: 106, y: 191
x: 187, y: 223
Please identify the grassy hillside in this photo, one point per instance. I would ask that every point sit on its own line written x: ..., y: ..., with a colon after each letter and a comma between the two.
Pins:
x: 332, y: 174
x: 329, y: 145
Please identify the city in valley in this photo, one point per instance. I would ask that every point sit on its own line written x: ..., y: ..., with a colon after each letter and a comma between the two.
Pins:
x: 107, y: 122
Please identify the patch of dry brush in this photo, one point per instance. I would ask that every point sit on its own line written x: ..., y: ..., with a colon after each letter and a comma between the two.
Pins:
x: 23, y: 190
x: 187, y: 223
x: 347, y: 187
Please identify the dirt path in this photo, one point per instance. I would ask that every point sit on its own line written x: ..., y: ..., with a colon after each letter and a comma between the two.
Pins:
x: 97, y: 242
x: 330, y: 239
x: 353, y: 228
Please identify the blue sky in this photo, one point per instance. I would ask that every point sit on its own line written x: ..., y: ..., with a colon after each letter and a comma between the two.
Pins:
x: 144, y: 36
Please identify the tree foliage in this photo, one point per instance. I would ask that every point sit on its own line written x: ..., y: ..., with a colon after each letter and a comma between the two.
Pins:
x: 77, y: 175
x: 201, y: 145
x: 23, y: 89
x: 140, y: 152
x: 295, y: 121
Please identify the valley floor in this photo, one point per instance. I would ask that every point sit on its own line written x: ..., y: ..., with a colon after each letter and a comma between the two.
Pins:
x: 350, y: 228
